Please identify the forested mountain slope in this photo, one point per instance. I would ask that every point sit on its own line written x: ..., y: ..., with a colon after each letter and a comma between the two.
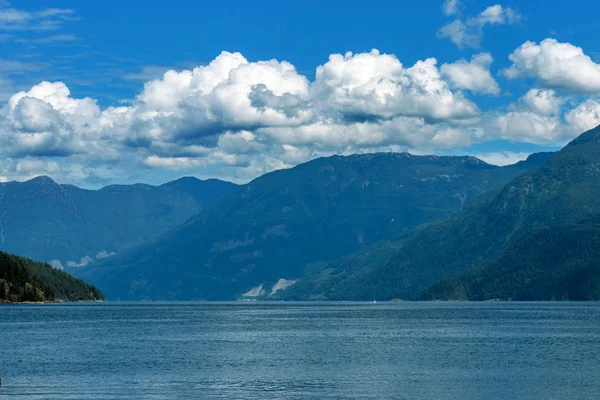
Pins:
x: 564, y: 190
x: 23, y: 280
x: 286, y: 221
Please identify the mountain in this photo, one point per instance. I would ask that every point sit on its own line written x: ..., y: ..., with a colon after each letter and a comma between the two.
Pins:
x: 47, y: 221
x: 564, y: 190
x: 23, y: 280
x: 557, y: 263
x: 291, y: 221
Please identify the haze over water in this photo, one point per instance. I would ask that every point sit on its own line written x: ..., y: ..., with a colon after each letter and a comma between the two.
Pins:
x: 301, y: 351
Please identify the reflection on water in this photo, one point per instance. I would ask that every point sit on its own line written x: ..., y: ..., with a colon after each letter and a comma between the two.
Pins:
x: 301, y: 351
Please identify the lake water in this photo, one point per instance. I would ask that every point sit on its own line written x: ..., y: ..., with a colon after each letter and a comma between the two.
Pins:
x: 301, y: 351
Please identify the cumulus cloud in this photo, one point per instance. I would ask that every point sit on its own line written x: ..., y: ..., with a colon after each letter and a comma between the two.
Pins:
x: 474, y: 75
x: 543, y: 101
x: 194, y: 106
x: 372, y: 86
x: 469, y: 32
x: 530, y: 119
x: 231, y: 110
x: 236, y: 119
x: 540, y: 117
x: 46, y: 121
x: 585, y: 116
x: 555, y: 65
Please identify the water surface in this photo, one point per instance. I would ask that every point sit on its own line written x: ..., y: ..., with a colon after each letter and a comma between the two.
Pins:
x: 301, y: 351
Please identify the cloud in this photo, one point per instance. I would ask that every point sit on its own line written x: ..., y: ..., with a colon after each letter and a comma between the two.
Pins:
x: 585, y: 116
x: 555, y: 65
x: 12, y: 19
x: 236, y: 119
x: 191, y: 106
x: 46, y: 121
x: 474, y: 75
x: 105, y: 254
x: 502, y: 158
x: 524, y: 121
x: 82, y: 263
x: 539, y: 117
x: 469, y: 33
x: 497, y: 15
x: 370, y: 86
x: 172, y: 163
x: 7, y: 88
x: 147, y: 73
x: 451, y: 7
x: 15, y: 67
x: 53, y: 39
x: 543, y: 101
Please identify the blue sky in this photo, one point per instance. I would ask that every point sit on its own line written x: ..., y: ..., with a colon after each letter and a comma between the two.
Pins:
x: 509, y: 78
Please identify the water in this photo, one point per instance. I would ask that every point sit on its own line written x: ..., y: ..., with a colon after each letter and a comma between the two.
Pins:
x: 301, y: 351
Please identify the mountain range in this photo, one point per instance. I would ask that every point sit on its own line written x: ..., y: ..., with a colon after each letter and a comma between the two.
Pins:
x: 361, y: 227
x: 73, y: 227
x: 499, y: 235
x: 287, y: 223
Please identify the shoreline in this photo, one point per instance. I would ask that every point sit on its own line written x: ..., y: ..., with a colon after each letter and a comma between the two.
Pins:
x: 57, y: 301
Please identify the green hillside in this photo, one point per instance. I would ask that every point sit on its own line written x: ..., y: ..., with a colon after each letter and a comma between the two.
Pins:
x: 24, y: 280
x: 564, y: 190
x: 557, y: 263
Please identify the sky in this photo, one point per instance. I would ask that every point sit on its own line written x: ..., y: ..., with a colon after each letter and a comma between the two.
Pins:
x: 95, y: 93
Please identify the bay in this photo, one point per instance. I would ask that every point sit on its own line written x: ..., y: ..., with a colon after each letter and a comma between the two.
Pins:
x: 245, y: 350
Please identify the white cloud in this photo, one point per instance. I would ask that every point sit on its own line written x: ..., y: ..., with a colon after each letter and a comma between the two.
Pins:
x: 498, y: 15
x: 12, y: 19
x: 585, y: 116
x: 228, y: 94
x: 529, y: 120
x: 474, y: 75
x: 451, y: 7
x: 543, y: 101
x: 7, y: 88
x: 231, y: 110
x: 46, y: 121
x: 539, y: 116
x: 105, y: 254
x: 147, y: 73
x: 52, y: 39
x: 469, y: 33
x: 377, y: 86
x: 82, y: 263
x: 236, y: 119
x: 555, y: 65
x: 173, y: 163
x: 502, y: 158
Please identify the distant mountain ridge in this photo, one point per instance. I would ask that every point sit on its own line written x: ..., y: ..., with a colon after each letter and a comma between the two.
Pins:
x: 561, y: 191
x: 47, y: 221
x: 288, y: 221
